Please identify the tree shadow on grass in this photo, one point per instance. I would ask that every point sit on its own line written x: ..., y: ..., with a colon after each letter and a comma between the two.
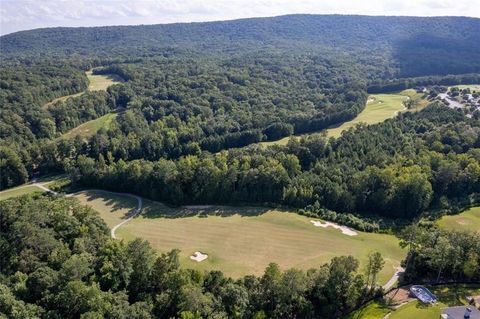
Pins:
x: 113, y: 201
x: 158, y: 210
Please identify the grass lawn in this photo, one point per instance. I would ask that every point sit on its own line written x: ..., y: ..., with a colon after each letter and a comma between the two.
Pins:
x: 373, y: 310
x: 112, y: 208
x: 379, y: 108
x: 19, y: 191
x: 240, y: 240
x: 468, y: 220
x: 48, y: 180
x: 91, y: 127
x: 448, y: 296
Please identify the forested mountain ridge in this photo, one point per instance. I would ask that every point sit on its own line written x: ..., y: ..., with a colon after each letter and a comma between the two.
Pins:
x: 413, y: 45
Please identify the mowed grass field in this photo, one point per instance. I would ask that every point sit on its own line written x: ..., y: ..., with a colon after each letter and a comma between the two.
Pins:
x: 240, y: 240
x: 379, y: 108
x: 19, y: 191
x: 468, y: 220
x: 91, y: 127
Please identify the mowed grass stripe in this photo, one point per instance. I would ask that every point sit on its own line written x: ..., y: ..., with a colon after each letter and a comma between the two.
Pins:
x: 469, y: 220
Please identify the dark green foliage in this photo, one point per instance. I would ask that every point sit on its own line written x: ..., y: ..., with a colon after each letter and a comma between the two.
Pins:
x: 397, y: 169
x: 440, y: 255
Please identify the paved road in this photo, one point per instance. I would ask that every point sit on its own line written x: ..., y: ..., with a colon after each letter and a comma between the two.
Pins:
x: 398, y: 272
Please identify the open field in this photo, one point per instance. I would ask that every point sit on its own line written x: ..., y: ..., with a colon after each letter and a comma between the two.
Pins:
x: 96, y: 82
x: 91, y: 127
x: 100, y: 82
x: 240, y: 240
x: 379, y: 108
x: 19, y: 191
x: 468, y: 220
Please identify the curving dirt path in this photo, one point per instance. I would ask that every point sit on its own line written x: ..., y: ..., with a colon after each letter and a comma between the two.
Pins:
x: 398, y: 272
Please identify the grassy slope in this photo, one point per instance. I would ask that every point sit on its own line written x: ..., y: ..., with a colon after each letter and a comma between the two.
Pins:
x: 49, y: 181
x: 18, y: 191
x: 372, y: 310
x: 468, y: 220
x: 91, y: 127
x: 379, y: 108
x: 241, y: 240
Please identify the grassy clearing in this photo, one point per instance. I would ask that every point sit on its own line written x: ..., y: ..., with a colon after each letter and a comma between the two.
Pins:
x: 91, y: 127
x: 448, y: 296
x: 240, y: 240
x: 19, y: 191
x: 100, y: 82
x: 468, y: 220
x: 373, y: 310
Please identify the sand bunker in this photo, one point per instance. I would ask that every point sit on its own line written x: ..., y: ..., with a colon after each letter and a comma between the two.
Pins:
x: 345, y: 230
x: 198, y: 256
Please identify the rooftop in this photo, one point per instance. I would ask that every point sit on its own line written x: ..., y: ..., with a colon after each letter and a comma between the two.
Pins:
x: 459, y: 312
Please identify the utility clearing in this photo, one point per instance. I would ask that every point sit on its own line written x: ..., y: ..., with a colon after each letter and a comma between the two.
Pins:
x: 239, y: 240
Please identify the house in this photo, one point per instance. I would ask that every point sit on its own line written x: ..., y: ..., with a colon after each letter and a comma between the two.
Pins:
x: 460, y: 312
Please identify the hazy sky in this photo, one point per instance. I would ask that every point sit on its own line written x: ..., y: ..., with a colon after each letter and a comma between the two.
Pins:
x: 19, y: 15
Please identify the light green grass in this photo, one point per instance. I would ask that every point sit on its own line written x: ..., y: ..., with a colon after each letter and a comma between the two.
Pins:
x: 379, y: 108
x: 96, y: 82
x: 101, y: 82
x: 448, y: 296
x: 468, y: 220
x: 373, y: 310
x: 19, y: 191
x: 242, y: 240
x: 91, y: 127
x: 417, y: 310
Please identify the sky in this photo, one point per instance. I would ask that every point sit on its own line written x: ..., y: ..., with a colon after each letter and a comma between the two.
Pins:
x: 17, y: 15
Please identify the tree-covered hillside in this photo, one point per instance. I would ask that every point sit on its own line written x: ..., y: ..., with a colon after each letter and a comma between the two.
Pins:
x: 414, y: 45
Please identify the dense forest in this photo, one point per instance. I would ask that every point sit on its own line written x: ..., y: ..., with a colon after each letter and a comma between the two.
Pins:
x: 195, y: 101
